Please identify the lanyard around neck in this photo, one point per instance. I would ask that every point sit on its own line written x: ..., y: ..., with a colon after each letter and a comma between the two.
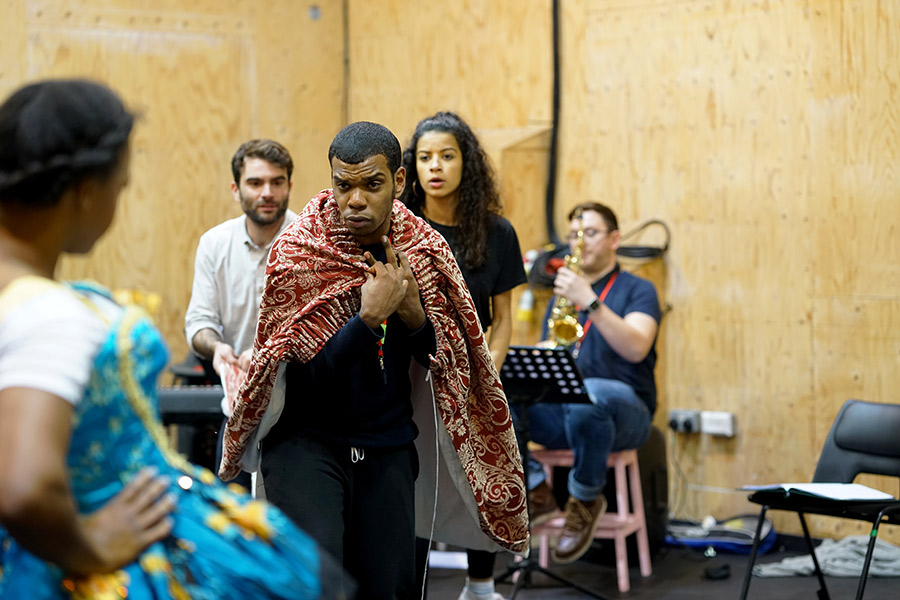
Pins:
x: 602, y: 298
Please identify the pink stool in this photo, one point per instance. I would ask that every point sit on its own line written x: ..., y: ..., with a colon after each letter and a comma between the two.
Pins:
x: 616, y: 526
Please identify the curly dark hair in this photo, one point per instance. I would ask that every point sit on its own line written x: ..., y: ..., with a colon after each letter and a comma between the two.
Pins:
x: 479, y: 198
x: 56, y: 132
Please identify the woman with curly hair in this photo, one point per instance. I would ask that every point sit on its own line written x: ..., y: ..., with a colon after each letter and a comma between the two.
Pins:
x: 451, y: 184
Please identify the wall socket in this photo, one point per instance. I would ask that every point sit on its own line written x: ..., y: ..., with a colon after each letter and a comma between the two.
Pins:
x: 716, y: 422
x: 684, y: 421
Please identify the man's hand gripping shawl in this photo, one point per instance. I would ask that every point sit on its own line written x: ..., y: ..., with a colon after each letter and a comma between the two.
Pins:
x: 313, y: 275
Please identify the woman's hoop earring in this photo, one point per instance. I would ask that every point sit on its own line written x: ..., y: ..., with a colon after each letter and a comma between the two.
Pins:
x: 415, y: 190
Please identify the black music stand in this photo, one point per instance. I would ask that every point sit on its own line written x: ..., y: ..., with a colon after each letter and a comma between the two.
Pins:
x: 531, y: 375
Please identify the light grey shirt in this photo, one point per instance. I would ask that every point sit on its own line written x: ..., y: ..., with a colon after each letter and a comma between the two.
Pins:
x: 229, y: 278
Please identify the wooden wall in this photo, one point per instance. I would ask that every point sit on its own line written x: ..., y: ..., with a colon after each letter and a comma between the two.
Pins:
x: 206, y: 75
x: 765, y: 133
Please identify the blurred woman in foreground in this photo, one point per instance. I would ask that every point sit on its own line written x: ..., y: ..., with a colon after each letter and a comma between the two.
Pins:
x: 94, y: 504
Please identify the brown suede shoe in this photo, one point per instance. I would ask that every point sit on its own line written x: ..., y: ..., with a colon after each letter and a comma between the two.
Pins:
x: 578, y: 532
x: 542, y: 504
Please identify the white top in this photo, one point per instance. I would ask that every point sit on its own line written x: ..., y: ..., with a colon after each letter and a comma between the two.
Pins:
x: 229, y: 279
x: 49, y: 341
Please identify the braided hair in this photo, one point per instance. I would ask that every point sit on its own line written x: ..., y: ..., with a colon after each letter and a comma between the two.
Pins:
x: 478, y: 195
x: 56, y: 132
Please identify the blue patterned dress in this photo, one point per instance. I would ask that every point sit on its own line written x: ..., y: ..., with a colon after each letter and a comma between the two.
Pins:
x: 224, y: 544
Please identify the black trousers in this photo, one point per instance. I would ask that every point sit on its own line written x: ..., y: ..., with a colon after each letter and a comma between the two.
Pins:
x: 362, y: 513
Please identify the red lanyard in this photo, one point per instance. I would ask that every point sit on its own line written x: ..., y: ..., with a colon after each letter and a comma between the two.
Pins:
x: 601, y: 297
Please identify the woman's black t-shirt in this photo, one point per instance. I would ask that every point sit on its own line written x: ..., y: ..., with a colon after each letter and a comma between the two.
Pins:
x: 501, y: 271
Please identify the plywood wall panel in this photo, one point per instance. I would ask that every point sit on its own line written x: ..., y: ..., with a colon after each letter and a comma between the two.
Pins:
x: 205, y: 76
x: 688, y: 111
x: 12, y: 42
x: 858, y: 351
x: 304, y: 113
x: 489, y: 60
x: 857, y: 148
x: 519, y: 157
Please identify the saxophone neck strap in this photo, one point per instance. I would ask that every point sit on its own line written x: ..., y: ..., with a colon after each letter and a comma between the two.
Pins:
x: 602, y: 298
x: 608, y: 285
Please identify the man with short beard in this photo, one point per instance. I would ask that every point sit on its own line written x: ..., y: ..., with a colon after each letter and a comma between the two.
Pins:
x: 230, y: 265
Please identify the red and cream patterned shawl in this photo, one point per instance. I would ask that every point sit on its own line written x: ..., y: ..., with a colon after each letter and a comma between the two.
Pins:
x: 314, y: 273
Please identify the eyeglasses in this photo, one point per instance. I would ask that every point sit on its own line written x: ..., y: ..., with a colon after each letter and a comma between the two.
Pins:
x: 589, y: 234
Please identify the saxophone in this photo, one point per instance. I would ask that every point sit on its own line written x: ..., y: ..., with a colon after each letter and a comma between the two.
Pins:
x: 563, y: 328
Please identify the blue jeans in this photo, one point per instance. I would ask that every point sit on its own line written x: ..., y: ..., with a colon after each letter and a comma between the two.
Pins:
x: 616, y: 420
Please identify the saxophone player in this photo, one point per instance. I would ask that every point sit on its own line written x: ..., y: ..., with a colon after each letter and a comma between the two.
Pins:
x: 619, y: 313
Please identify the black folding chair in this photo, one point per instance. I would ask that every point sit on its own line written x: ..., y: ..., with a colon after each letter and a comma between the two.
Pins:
x: 863, y: 439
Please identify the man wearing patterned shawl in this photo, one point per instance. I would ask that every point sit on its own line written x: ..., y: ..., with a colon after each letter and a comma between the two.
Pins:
x: 372, y: 405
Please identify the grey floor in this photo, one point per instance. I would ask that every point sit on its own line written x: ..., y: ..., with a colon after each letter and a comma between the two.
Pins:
x: 678, y: 574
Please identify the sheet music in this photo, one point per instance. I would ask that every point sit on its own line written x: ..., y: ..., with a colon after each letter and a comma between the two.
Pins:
x: 834, y: 491
x: 232, y: 377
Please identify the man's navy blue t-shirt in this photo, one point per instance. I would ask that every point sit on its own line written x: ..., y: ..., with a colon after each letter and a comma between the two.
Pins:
x: 596, y: 358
